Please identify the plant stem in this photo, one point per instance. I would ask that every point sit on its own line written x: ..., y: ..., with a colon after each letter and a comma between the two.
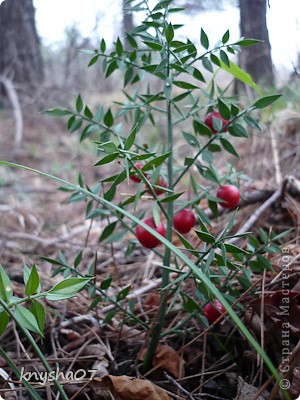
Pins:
x: 158, y: 324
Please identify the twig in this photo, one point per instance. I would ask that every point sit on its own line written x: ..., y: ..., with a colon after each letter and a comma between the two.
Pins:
x: 278, y: 175
x: 13, y: 97
x: 42, y: 241
x: 254, y: 217
x: 182, y: 389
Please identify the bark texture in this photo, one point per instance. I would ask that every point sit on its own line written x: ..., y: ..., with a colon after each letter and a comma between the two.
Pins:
x: 256, y: 60
x: 20, y: 51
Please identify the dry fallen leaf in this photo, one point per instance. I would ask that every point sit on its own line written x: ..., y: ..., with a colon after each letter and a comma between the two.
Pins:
x: 282, y: 307
x: 127, y: 388
x: 166, y: 358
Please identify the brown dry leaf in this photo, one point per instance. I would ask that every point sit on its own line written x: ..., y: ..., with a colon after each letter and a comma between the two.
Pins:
x: 281, y: 307
x: 167, y: 359
x: 127, y: 388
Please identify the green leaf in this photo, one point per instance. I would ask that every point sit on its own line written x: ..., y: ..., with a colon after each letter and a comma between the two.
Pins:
x: 263, y: 236
x: 224, y: 109
x: 131, y: 138
x: 67, y: 288
x: 234, y: 110
x: 225, y: 37
x: 102, y: 46
x: 78, y: 259
x: 123, y: 293
x: 108, y: 118
x: 76, y: 125
x: 153, y: 45
x: 207, y: 64
x: 128, y: 76
x: 185, y: 85
x: 26, y: 319
x: 189, y: 304
x: 38, y: 311
x: 251, y: 122
x: 169, y: 33
x: 210, y: 173
x: 207, y: 156
x: 33, y: 282
x: 116, y: 237
x: 237, y: 130
x: 156, y: 162
x: 108, y: 147
x: 205, y: 237
x: 204, y: 39
x: 282, y: 235
x: 93, y: 60
x: 108, y: 230
x: 224, y: 58
x: 4, y: 319
x: 107, y: 159
x: 228, y: 147
x: 119, y: 47
x: 88, y: 113
x: 201, y: 128
x: 191, y: 139
x: 181, y: 96
x: 79, y: 104
x: 56, y: 112
x: 109, y: 316
x: 245, y: 279
x: 247, y: 42
x: 6, y: 290
x: 198, y: 75
x: 105, y: 284
x: 111, y: 68
x: 266, y: 101
x: 213, y: 207
x: 232, y: 249
x: 241, y: 75
x: 214, y: 59
x: 172, y: 197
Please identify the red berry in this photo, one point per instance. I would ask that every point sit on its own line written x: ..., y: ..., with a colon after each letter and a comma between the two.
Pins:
x: 209, y: 121
x: 230, y: 194
x: 146, y: 238
x: 184, y: 220
x: 213, y: 310
x: 160, y: 182
x: 133, y: 175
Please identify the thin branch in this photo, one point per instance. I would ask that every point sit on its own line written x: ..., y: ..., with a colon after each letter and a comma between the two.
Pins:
x: 13, y: 97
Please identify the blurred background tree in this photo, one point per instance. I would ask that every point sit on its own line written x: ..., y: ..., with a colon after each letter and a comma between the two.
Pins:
x: 20, y: 50
x: 256, y: 60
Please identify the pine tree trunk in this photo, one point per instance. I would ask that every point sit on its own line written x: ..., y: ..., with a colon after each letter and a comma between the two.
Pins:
x: 256, y: 60
x: 20, y: 58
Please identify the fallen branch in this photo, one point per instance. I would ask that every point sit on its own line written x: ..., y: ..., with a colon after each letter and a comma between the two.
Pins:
x: 13, y: 97
x: 254, y: 217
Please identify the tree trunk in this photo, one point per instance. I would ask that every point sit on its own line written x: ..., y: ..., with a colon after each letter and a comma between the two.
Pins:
x: 128, y: 25
x: 20, y: 53
x: 256, y: 60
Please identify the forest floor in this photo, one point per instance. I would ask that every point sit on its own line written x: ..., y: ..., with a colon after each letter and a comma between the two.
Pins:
x: 38, y: 221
